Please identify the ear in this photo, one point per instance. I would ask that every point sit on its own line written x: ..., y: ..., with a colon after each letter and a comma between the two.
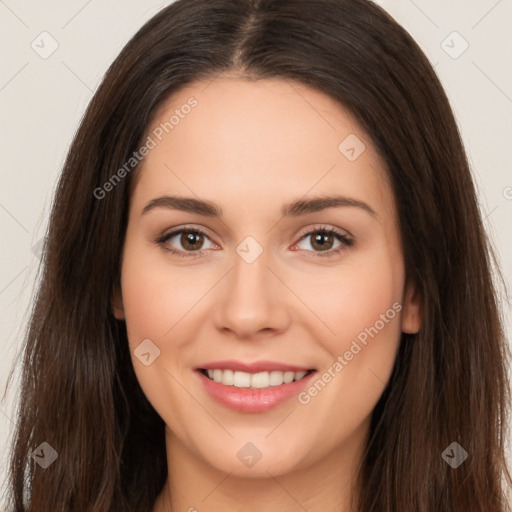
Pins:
x: 117, y: 305
x: 411, y: 313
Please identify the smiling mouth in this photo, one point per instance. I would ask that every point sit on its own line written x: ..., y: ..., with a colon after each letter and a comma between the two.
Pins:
x: 260, y: 380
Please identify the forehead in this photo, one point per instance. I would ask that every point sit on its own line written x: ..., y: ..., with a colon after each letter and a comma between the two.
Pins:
x: 248, y: 139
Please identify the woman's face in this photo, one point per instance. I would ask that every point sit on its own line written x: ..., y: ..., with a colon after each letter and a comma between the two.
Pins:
x: 262, y: 294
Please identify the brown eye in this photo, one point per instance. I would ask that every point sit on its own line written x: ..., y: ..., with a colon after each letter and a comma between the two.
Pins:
x: 191, y: 240
x: 325, y: 241
x: 322, y: 241
x: 185, y: 242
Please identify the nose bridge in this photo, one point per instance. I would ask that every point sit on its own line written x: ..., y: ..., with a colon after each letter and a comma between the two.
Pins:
x: 251, y: 299
x: 250, y: 273
x: 250, y: 278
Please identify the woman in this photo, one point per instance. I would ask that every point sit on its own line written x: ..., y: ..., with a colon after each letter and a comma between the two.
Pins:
x: 204, y: 341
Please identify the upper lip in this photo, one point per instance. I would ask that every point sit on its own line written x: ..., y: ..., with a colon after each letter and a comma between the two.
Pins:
x: 253, y: 367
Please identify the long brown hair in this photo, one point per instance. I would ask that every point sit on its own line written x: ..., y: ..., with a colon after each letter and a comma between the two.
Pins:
x: 79, y: 392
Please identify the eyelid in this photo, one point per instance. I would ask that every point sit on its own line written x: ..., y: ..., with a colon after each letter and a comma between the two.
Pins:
x: 330, y: 229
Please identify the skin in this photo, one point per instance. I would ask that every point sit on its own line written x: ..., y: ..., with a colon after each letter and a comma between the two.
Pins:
x: 251, y: 146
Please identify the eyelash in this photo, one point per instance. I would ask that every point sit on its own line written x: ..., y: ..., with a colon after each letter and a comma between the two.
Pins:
x: 346, y: 242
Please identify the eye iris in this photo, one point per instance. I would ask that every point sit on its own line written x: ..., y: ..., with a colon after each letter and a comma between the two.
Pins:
x: 189, y: 240
x: 320, y: 239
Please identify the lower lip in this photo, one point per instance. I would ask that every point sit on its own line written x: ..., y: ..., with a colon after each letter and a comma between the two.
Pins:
x: 253, y: 400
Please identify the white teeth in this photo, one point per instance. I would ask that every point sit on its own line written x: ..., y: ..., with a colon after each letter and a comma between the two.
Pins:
x: 241, y: 379
x: 253, y: 380
x: 228, y: 377
x: 260, y: 380
x: 288, y: 377
x: 276, y: 378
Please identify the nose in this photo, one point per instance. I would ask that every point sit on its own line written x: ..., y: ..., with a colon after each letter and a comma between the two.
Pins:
x: 252, y: 300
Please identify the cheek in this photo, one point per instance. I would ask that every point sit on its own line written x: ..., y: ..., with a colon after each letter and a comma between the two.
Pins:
x: 352, y: 298
x: 155, y: 296
x: 155, y: 300
x: 361, y: 305
x: 363, y: 309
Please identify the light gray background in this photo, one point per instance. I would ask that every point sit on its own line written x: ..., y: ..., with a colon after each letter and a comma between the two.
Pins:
x: 42, y: 101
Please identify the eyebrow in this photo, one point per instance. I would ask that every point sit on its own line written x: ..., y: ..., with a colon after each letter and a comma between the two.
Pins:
x: 293, y: 209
